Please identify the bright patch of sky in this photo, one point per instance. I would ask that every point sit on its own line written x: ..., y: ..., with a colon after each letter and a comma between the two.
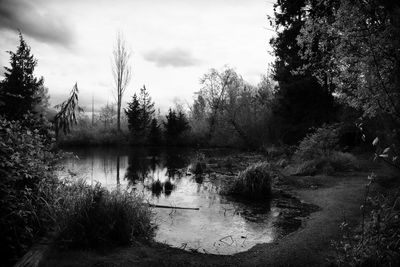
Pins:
x: 173, y: 43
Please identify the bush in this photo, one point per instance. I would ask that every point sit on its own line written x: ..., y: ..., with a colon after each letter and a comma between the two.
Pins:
x: 320, y: 143
x: 328, y: 164
x: 254, y: 182
x: 26, y: 185
x: 317, y: 153
x: 92, y: 217
x: 378, y: 244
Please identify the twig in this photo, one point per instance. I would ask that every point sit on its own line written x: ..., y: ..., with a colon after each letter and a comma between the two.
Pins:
x: 171, y: 207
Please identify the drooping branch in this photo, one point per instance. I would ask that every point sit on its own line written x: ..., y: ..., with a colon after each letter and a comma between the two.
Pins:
x: 66, y: 117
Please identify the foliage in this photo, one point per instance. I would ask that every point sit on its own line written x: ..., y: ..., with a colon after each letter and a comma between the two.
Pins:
x: 318, y: 144
x: 377, y: 242
x: 175, y: 126
x: 363, y: 57
x: 319, y: 153
x: 328, y: 164
x: 230, y: 112
x: 66, y: 117
x: 133, y: 113
x: 140, y: 113
x: 107, y: 115
x: 301, y: 102
x: 92, y: 217
x: 155, y: 133
x: 20, y: 89
x: 254, y: 182
x: 26, y: 167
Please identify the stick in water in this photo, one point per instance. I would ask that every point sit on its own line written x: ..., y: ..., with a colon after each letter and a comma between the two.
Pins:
x: 172, y: 207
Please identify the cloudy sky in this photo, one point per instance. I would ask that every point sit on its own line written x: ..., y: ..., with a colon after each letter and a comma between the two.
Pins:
x: 173, y: 43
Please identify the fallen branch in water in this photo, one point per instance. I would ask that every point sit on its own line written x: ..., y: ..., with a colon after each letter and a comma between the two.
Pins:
x: 172, y: 207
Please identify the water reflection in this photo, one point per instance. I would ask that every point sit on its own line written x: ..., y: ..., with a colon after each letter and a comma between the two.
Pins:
x: 221, y: 225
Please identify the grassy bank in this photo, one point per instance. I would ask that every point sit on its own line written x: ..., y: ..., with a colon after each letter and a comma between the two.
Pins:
x: 34, y: 202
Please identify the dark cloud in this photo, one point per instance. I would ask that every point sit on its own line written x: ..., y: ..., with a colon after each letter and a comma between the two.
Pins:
x: 175, y: 57
x: 31, y: 18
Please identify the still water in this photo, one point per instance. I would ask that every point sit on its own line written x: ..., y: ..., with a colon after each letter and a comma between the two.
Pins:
x: 221, y: 225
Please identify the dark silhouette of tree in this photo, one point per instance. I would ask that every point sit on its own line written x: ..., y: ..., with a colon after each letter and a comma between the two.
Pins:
x: 19, y: 91
x: 155, y: 133
x: 175, y: 126
x: 301, y: 101
x: 133, y: 113
x: 122, y: 73
x: 140, y: 113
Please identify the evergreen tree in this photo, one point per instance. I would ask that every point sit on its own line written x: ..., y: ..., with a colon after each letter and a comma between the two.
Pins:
x: 19, y: 91
x: 133, y: 113
x: 140, y: 113
x: 155, y: 132
x: 147, y: 109
x: 175, y: 126
x: 302, y: 102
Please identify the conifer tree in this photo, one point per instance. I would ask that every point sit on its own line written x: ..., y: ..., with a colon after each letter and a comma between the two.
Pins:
x: 133, y: 113
x: 155, y: 132
x: 19, y: 91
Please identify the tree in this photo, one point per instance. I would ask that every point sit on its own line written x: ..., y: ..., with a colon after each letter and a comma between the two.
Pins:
x: 140, y: 113
x: 133, y: 113
x: 175, y: 126
x: 67, y: 115
x: 107, y: 115
x: 19, y: 91
x: 301, y: 101
x: 121, y: 72
x: 147, y: 108
x: 155, y: 132
x: 214, y: 91
x: 364, y: 55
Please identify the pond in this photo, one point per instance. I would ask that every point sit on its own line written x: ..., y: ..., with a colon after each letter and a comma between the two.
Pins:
x: 220, y: 225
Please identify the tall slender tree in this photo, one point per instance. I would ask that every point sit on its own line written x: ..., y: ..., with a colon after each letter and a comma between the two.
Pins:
x: 20, y: 89
x: 121, y: 72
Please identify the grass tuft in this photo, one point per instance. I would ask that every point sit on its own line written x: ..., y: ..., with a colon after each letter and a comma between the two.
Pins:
x: 254, y: 182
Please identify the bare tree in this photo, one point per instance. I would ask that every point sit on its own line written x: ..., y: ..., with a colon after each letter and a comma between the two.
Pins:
x: 121, y: 72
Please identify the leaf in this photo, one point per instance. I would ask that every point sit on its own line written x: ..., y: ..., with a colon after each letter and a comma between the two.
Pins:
x: 376, y: 141
x: 386, y: 150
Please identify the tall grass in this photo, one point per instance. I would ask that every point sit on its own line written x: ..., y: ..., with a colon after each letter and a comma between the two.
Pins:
x: 254, y: 182
x: 93, y: 217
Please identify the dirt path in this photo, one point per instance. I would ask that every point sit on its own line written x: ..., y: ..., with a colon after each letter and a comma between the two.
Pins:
x: 308, y: 246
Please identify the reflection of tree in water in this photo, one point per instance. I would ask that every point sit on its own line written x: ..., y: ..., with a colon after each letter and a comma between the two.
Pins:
x: 175, y: 161
x: 139, y: 165
x: 147, y: 166
x: 157, y: 187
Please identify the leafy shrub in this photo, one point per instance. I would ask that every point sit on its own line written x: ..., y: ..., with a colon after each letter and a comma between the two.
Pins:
x: 92, y: 217
x: 320, y: 143
x: 26, y: 169
x: 317, y: 153
x: 254, y: 182
x: 378, y: 244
